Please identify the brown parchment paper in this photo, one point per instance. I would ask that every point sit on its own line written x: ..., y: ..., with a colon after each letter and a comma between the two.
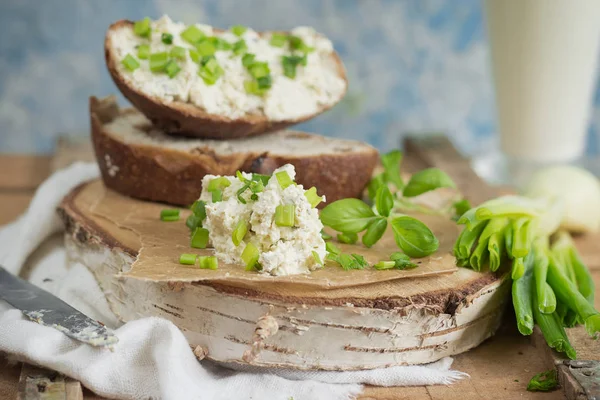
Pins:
x: 163, y: 242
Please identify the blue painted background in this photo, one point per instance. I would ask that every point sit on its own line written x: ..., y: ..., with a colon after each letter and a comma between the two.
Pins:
x: 413, y: 65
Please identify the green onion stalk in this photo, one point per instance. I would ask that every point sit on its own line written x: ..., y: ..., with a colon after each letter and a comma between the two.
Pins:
x: 551, y: 286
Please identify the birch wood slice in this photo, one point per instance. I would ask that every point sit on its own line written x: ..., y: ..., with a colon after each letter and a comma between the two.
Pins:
x: 395, y: 322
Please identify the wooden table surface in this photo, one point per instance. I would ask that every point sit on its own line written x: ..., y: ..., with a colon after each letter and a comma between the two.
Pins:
x: 499, y: 368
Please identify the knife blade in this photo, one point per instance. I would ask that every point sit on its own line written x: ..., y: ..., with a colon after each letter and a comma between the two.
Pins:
x: 46, y: 309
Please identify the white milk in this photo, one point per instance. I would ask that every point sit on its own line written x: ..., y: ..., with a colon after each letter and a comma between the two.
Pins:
x: 544, y: 62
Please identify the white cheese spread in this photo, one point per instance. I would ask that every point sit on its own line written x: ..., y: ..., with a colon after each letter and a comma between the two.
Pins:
x: 283, y: 250
x: 316, y: 85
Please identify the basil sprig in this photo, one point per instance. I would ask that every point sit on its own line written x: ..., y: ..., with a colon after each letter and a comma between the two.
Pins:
x: 427, y: 180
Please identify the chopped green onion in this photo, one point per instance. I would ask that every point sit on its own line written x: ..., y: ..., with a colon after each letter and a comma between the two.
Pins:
x: 261, y: 178
x: 250, y: 256
x: 220, y: 43
x: 208, y: 262
x: 278, y: 40
x: 192, y: 34
x: 142, y: 28
x: 348, y: 238
x: 259, y: 69
x: 284, y: 179
x: 193, y: 221
x: 384, y: 265
x: 297, y: 43
x: 290, y: 63
x: 166, y: 38
x: 313, y: 198
x: 172, y: 69
x: 326, y: 236
x: 158, y: 61
x: 332, y: 248
x: 188, y: 259
x: 239, y: 48
x: 239, y: 232
x: 350, y: 261
x: 241, y: 191
x: 254, y: 196
x: 210, y: 72
x: 199, y: 238
x: 217, y: 195
x: 169, y: 214
x: 206, y: 48
x: 251, y: 87
x: 195, y: 56
x: 178, y: 52
x: 317, y: 258
x: 218, y: 183
x: 199, y: 209
x: 265, y: 82
x: 143, y: 51
x: 238, y: 30
x: 543, y: 382
x: 285, y: 215
x: 130, y: 63
x: 248, y: 59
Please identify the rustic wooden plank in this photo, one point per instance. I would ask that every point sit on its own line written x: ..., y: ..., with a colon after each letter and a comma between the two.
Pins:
x: 23, y: 172
x: 37, y: 383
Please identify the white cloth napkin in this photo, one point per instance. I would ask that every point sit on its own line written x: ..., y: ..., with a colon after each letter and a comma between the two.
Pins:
x: 152, y: 359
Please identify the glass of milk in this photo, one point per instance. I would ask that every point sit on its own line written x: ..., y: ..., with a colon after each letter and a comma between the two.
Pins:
x: 544, y: 57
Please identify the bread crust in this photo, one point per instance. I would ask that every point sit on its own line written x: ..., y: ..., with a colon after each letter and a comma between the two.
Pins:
x: 172, y: 176
x: 185, y: 119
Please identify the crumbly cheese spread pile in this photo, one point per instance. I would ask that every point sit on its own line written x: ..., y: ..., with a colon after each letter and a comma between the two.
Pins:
x: 224, y: 86
x: 283, y: 250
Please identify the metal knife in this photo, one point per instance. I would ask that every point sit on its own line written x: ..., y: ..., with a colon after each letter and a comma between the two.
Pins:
x: 47, y: 309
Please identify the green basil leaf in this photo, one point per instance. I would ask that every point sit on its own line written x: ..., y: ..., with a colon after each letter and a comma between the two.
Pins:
x: 414, y: 237
x: 375, y: 183
x: 347, y: 215
x: 427, y: 180
x: 375, y: 231
x: 384, y: 201
x: 402, y: 261
x: 391, y: 164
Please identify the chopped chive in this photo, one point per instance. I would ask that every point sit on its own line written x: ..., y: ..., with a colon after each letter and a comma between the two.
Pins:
x: 217, y: 195
x: 254, y: 196
x: 130, y: 63
x: 158, y: 61
x: 248, y: 59
x: 169, y: 215
x: 384, y: 265
x: 166, y: 38
x: 206, y: 48
x: 313, y: 198
x: 297, y: 43
x: 238, y: 30
x: 199, y: 238
x: 210, y: 71
x: 290, y: 63
x: 192, y: 34
x: 317, y: 258
x: 332, y: 248
x: 285, y: 215
x: 348, y: 238
x: 193, y: 221
x: 195, y: 56
x: 143, y: 51
x: 326, y: 236
x: 265, y: 82
x: 251, y: 87
x: 278, y: 40
x: 284, y: 179
x: 220, y: 44
x: 188, y: 259
x: 239, y: 47
x: 142, y: 28
x: 178, y: 52
x: 218, y: 183
x: 172, y: 69
x: 262, y: 178
x: 208, y: 262
x: 239, y: 232
x: 259, y: 69
x: 250, y: 256
x: 199, y: 209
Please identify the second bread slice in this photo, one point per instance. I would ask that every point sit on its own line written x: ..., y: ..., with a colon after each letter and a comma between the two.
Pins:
x: 139, y: 160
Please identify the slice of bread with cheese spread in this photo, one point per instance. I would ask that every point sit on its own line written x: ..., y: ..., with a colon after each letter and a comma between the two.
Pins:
x: 198, y: 81
x: 139, y: 160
